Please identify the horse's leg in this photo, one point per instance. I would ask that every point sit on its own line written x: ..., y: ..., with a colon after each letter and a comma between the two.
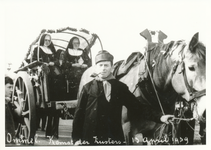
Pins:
x: 129, y: 131
x: 132, y: 137
x: 127, y: 134
x: 142, y: 131
x: 126, y: 126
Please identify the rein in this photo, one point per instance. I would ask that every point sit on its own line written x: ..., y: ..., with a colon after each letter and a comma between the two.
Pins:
x: 154, y: 86
x: 192, y: 92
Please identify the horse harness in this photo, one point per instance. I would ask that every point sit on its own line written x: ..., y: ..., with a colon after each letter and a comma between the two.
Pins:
x: 192, y: 92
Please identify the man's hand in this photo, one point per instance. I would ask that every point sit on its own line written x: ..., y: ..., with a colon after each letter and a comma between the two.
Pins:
x: 166, y: 118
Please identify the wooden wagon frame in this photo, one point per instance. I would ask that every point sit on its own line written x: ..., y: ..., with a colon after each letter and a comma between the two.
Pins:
x: 25, y: 92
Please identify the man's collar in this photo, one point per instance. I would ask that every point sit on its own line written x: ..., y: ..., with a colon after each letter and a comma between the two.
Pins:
x: 96, y: 77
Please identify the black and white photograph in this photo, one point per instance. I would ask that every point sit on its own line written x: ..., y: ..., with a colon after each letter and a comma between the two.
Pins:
x: 128, y: 73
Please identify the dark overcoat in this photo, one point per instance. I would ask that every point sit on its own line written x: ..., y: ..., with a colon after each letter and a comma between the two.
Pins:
x: 95, y: 116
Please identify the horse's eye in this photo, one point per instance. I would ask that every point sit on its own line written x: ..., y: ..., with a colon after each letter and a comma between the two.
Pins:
x: 191, y: 68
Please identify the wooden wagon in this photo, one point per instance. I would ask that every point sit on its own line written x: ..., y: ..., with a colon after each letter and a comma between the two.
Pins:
x: 31, y: 87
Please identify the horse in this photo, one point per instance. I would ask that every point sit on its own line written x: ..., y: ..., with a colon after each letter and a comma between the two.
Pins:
x: 171, y: 78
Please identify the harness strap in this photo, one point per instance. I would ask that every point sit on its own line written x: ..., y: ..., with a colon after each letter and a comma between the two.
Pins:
x: 198, y: 94
x: 193, y: 94
x: 190, y: 90
x: 153, y: 84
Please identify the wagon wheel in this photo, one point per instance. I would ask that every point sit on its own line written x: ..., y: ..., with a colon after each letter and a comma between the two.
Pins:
x: 23, y: 95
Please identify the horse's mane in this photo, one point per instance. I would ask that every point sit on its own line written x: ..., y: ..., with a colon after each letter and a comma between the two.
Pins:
x: 161, y: 52
x: 161, y: 60
x: 168, y: 49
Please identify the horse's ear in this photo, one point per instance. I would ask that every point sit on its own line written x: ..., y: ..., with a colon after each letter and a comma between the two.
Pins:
x: 146, y: 35
x: 161, y: 36
x: 194, y: 41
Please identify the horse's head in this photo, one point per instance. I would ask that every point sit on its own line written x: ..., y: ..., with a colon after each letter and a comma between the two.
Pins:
x: 189, y: 79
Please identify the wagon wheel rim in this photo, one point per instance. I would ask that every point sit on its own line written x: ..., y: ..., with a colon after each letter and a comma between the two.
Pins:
x: 26, y: 126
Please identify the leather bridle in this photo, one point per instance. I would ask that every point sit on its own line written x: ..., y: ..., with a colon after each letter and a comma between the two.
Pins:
x: 194, y: 94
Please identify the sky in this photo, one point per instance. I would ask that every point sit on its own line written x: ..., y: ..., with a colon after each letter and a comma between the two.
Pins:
x: 117, y: 23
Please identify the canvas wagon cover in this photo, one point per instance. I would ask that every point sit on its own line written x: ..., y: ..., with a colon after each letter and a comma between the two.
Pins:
x: 61, y: 37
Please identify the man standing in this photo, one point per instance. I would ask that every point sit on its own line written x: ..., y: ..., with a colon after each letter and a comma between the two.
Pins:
x: 97, y: 119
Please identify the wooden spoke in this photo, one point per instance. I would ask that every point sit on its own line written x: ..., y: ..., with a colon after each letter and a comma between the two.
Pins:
x: 24, y: 91
x: 19, y: 83
x: 26, y: 120
x: 22, y: 87
x: 24, y: 95
x: 24, y: 101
